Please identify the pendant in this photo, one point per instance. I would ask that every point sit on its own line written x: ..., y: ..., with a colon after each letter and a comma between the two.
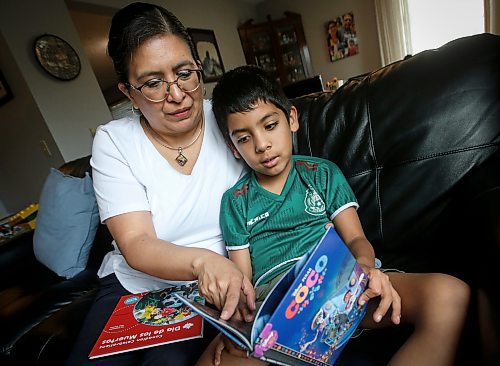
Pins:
x: 181, y: 159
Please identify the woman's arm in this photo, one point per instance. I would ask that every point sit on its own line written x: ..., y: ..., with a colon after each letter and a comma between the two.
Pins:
x: 219, y: 280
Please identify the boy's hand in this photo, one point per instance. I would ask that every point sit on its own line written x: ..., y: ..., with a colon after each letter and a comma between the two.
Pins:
x: 244, y: 311
x: 225, y: 343
x: 380, y: 285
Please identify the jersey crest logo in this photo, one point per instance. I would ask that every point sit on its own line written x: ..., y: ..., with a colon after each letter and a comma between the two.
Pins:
x: 313, y: 202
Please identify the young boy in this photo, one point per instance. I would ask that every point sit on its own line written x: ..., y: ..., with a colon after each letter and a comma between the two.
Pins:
x: 276, y: 212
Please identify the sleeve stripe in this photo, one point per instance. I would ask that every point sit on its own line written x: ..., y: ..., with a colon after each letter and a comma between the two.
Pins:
x: 342, y: 208
x: 237, y: 247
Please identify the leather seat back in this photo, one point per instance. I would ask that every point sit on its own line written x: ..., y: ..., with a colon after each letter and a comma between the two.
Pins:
x: 406, y: 135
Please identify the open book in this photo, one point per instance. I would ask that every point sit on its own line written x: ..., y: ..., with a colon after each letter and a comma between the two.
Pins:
x: 149, y: 319
x: 309, y: 315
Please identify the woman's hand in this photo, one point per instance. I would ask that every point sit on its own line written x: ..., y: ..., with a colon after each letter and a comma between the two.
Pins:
x: 380, y: 285
x: 220, y: 282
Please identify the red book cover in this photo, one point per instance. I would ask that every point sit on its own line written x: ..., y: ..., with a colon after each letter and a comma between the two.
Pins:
x: 150, y: 319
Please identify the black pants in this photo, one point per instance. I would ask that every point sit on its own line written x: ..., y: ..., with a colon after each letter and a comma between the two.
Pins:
x: 178, y: 354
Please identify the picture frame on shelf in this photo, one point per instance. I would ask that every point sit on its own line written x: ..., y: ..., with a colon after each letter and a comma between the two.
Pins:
x: 5, y: 91
x: 208, y: 51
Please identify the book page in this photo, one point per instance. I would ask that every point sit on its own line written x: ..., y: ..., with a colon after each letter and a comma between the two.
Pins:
x: 319, y: 312
x: 149, y: 319
x: 237, y: 331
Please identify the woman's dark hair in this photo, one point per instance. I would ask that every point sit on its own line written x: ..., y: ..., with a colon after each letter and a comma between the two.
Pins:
x: 240, y: 89
x: 136, y: 23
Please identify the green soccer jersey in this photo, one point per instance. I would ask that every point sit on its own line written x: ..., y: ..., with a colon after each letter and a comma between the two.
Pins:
x: 279, y: 229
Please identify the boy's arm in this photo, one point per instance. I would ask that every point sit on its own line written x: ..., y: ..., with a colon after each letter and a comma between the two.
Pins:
x: 349, y: 228
x: 241, y: 258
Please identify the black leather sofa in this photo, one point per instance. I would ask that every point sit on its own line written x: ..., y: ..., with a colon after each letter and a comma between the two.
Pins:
x: 418, y: 141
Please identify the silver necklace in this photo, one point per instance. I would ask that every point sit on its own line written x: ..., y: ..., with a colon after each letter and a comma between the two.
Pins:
x: 181, y: 158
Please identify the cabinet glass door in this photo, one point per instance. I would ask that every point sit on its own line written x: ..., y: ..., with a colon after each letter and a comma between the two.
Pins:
x: 278, y: 47
x: 262, y: 48
x: 292, y: 59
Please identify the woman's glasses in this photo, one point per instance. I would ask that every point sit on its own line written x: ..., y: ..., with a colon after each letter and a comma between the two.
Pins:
x: 157, y: 90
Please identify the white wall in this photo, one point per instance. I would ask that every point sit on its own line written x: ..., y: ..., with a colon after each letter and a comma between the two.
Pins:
x: 315, y: 15
x: 221, y: 16
x: 23, y: 165
x: 43, y: 108
x: 61, y: 113
x: 69, y: 108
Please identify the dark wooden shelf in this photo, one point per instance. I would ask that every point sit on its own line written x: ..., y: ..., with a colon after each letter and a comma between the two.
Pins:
x: 278, y: 46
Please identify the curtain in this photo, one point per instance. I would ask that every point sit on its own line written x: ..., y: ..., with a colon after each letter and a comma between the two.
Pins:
x: 492, y: 16
x: 393, y: 24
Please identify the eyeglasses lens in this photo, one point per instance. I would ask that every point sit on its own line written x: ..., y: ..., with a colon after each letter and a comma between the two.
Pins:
x: 159, y: 90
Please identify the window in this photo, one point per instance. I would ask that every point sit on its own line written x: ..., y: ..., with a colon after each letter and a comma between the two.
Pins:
x: 436, y: 22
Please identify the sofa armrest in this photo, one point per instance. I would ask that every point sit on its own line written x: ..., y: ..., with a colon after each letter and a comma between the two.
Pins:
x: 19, y: 248
x: 50, y: 342
x: 29, y: 308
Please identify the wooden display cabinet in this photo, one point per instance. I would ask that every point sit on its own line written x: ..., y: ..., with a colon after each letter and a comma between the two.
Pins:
x: 278, y: 46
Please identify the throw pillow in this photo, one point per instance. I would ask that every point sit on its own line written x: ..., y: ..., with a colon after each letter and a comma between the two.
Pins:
x: 67, y: 222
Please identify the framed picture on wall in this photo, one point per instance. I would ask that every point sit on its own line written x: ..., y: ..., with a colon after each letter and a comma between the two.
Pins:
x: 208, y: 51
x: 341, y: 37
x: 5, y: 92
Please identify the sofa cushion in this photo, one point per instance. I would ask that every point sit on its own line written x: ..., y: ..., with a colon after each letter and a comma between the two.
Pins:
x: 67, y: 221
x: 405, y: 155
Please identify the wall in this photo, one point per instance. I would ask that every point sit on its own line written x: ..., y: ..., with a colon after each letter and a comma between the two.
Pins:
x: 69, y: 108
x: 222, y: 16
x: 61, y: 113
x: 23, y: 166
x: 43, y: 107
x: 315, y: 14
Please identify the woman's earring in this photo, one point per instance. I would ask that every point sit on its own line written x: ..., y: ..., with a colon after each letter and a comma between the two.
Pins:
x: 135, y: 111
x: 204, y: 91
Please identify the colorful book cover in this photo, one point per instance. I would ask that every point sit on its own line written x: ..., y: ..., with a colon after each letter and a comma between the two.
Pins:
x: 310, y: 314
x: 150, y: 319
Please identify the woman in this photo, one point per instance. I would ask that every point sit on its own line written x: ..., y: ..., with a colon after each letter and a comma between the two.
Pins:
x: 159, y: 176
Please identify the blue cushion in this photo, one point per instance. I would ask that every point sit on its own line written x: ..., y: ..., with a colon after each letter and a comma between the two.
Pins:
x: 67, y: 221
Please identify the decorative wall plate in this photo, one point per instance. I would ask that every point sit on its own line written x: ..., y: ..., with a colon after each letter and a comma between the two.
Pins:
x: 57, y: 57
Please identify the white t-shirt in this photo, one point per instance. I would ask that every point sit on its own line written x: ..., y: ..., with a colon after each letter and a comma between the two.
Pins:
x: 129, y: 175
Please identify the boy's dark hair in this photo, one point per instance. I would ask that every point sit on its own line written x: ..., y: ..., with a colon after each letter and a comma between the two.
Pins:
x: 240, y: 89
